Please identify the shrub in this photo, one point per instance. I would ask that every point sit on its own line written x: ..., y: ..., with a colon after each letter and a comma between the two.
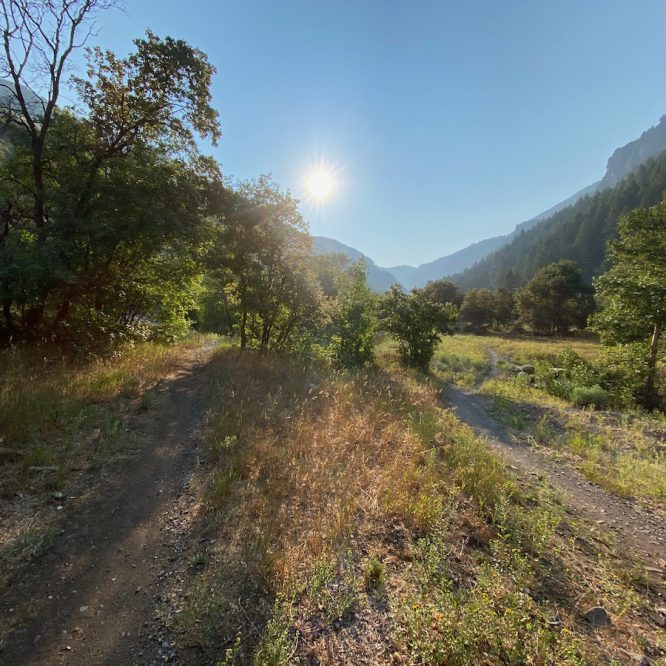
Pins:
x: 590, y: 396
x: 417, y: 324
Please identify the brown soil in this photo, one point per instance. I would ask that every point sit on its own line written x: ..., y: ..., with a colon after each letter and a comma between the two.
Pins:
x: 97, y: 596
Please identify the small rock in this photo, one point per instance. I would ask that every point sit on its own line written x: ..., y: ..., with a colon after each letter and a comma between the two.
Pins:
x: 598, y: 617
x: 659, y: 618
x: 83, y: 609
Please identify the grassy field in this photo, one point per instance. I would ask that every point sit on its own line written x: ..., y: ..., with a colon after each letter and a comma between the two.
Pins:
x: 351, y: 519
x: 347, y: 517
x: 622, y: 450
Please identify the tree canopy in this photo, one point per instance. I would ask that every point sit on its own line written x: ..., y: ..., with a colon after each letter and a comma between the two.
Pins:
x: 555, y: 300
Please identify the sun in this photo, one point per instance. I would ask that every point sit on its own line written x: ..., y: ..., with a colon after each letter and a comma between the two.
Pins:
x: 320, y: 183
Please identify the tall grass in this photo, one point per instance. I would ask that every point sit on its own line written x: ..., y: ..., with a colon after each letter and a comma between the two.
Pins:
x: 348, y: 513
x: 53, y: 406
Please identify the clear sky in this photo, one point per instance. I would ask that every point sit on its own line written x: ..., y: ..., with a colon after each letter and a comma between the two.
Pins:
x: 447, y: 122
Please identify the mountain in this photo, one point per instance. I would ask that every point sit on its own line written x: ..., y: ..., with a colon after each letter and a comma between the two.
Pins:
x: 622, y: 162
x: 452, y: 263
x: 9, y: 102
x: 468, y: 256
x: 579, y: 232
x: 379, y: 279
x: 628, y: 158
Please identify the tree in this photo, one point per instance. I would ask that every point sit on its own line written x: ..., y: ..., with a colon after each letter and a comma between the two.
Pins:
x: 354, y: 318
x: 555, y: 300
x: 329, y: 269
x: 261, y: 258
x: 124, y: 202
x: 443, y: 291
x: 632, y: 292
x: 504, y: 308
x: 478, y: 309
x: 38, y: 39
x: 416, y: 322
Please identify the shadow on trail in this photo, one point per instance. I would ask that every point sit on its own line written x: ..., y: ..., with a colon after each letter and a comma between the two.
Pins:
x: 89, y: 598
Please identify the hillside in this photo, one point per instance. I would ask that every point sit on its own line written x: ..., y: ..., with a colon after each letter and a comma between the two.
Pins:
x: 622, y: 162
x: 379, y: 279
x: 579, y: 232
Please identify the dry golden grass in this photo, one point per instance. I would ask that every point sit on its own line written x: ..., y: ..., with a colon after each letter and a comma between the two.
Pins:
x: 56, y: 411
x: 353, y: 520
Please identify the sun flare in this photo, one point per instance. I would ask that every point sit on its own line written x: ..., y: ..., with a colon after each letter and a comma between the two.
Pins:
x: 320, y: 184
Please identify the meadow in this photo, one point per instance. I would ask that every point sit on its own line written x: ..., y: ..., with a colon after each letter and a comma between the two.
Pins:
x: 620, y: 449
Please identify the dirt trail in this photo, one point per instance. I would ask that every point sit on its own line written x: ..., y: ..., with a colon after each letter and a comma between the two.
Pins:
x: 642, y: 532
x: 95, y: 598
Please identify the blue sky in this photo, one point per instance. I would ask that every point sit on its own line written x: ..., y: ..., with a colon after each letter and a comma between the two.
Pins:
x: 448, y: 122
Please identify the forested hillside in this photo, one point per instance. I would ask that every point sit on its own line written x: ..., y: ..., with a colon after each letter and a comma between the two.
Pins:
x: 579, y: 233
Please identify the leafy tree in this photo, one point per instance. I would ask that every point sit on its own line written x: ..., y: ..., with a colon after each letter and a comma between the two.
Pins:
x: 329, y: 269
x: 125, y: 202
x: 504, y: 308
x: 38, y: 40
x: 633, y: 291
x: 478, y: 309
x: 443, y: 291
x: 354, y: 318
x: 555, y: 300
x: 416, y: 322
x: 260, y: 259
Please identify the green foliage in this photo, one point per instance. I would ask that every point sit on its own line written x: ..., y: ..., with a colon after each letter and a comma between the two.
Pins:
x: 556, y: 300
x: 375, y: 574
x: 443, y: 291
x: 416, y: 322
x: 260, y: 270
x: 611, y: 380
x: 633, y: 291
x: 116, y: 249
x: 504, y: 308
x: 354, y: 319
x: 590, y: 396
x: 478, y: 309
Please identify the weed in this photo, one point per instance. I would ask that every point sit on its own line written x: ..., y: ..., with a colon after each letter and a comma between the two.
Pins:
x: 374, y: 574
x: 199, y: 559
x: 279, y: 642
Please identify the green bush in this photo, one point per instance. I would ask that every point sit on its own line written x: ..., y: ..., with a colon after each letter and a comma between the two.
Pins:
x: 590, y: 396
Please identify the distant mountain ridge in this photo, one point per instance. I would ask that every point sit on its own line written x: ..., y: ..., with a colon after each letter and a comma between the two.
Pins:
x: 378, y: 278
x: 623, y: 162
x: 579, y: 232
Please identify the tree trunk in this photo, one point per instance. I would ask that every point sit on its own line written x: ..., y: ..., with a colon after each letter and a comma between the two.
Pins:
x: 243, y: 329
x: 38, y: 181
x: 7, y: 312
x: 651, y: 397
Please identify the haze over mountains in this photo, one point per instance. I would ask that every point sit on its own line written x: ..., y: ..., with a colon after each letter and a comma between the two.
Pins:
x: 623, y: 162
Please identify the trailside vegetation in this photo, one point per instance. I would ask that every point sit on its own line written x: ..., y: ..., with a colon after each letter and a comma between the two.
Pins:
x: 632, y: 292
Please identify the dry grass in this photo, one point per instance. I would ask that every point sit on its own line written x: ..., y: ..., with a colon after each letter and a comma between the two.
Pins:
x: 57, y: 412
x: 353, y: 520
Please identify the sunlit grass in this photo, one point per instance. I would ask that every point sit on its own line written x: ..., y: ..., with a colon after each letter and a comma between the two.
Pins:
x: 55, y: 409
x: 340, y: 496
x: 612, y: 450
